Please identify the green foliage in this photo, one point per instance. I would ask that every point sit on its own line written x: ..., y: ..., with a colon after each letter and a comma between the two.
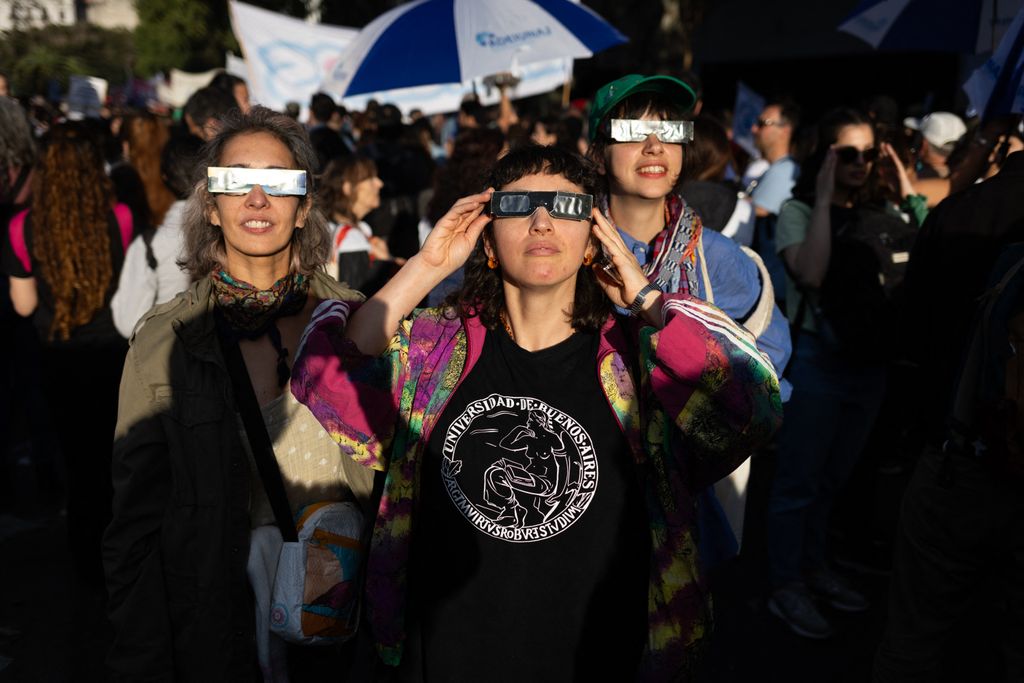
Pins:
x: 186, y: 34
x: 35, y: 56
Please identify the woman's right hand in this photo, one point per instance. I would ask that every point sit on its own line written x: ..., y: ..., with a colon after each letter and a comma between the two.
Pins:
x: 826, y: 181
x: 455, y: 234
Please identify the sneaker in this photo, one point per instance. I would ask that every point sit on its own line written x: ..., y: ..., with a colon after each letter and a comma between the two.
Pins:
x: 837, y: 591
x: 794, y: 605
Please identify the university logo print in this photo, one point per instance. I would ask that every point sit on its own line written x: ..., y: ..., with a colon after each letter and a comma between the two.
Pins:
x: 518, y: 469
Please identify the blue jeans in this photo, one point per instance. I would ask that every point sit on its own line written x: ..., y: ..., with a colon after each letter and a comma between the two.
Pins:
x: 826, y: 425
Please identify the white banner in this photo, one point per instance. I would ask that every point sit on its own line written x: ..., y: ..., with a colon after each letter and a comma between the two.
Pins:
x: 288, y: 59
x: 181, y: 85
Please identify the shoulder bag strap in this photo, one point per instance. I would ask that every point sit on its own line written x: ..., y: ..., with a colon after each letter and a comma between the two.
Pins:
x: 709, y: 294
x: 259, y: 439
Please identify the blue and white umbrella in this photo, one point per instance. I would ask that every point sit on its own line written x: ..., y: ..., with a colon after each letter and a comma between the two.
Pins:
x: 963, y: 26
x: 997, y: 86
x: 428, y: 42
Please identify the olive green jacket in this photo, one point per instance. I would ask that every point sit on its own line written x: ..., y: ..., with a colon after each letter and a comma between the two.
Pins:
x: 175, y: 553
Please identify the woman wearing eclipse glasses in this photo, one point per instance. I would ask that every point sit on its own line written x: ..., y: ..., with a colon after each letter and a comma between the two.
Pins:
x: 838, y: 380
x: 639, y: 139
x: 188, y: 495
x: 542, y: 452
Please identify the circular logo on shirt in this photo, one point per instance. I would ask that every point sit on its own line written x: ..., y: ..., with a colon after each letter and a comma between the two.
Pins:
x: 517, y: 468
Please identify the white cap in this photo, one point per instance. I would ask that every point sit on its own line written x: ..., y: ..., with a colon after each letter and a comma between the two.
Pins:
x: 941, y: 129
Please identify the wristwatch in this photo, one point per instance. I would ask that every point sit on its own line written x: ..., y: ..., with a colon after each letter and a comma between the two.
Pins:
x: 638, y: 303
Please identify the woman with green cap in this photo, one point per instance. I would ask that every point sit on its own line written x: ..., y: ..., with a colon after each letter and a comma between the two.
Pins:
x: 638, y: 132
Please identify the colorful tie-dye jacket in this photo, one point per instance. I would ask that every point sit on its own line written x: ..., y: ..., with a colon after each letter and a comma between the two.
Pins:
x: 707, y: 399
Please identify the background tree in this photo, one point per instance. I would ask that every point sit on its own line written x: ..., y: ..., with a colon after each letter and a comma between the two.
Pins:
x: 36, y: 56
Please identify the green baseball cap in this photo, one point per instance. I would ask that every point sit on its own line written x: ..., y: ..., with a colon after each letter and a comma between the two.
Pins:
x: 610, y: 94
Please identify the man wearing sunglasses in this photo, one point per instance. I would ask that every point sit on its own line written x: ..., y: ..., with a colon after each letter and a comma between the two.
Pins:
x: 638, y: 136
x: 773, y: 137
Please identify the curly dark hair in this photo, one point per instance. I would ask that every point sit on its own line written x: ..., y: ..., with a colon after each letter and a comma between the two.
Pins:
x: 482, y: 293
x: 204, y: 242
x: 71, y: 202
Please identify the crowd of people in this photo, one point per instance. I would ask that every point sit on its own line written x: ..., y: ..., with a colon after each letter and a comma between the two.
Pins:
x: 535, y: 349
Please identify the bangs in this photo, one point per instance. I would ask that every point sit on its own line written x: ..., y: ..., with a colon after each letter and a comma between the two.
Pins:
x: 658, y: 104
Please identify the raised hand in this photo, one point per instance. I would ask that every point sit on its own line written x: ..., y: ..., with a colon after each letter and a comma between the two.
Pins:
x: 906, y: 188
x: 631, y: 275
x: 455, y: 234
x: 826, y: 180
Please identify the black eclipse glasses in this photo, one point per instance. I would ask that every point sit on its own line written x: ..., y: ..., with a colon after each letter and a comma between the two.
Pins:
x: 850, y: 154
x: 570, y: 205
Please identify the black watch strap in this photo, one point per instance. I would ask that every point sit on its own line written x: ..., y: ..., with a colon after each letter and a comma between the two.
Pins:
x: 638, y: 303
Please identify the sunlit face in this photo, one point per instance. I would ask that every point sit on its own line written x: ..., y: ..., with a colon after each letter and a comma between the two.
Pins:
x: 256, y: 225
x: 538, y: 251
x: 859, y: 136
x: 773, y: 129
x: 647, y: 169
x: 366, y: 195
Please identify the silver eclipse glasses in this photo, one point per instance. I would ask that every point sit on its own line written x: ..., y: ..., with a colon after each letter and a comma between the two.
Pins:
x: 277, y: 182
x: 637, y: 130
x: 569, y: 205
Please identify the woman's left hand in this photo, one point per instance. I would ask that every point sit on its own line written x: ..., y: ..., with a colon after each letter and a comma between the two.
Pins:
x: 906, y: 187
x: 631, y: 275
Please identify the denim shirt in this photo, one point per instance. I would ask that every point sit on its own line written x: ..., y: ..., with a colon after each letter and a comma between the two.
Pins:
x: 736, y: 285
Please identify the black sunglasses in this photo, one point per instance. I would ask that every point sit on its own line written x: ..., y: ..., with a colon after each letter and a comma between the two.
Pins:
x: 848, y: 155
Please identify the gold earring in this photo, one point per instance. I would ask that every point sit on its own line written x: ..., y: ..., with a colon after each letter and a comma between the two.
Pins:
x: 588, y: 259
x: 492, y: 262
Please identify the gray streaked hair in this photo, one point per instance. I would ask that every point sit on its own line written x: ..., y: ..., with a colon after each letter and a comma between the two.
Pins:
x: 204, y: 242
x: 17, y: 148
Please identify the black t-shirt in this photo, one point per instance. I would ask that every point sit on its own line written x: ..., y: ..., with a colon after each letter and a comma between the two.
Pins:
x: 531, y: 545
x: 98, y: 331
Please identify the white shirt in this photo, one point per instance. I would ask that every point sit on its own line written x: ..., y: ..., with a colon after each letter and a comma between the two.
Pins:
x: 139, y: 287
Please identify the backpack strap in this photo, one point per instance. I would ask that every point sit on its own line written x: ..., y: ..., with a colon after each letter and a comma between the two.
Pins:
x: 757, y: 321
x: 709, y: 294
x: 126, y: 223
x: 16, y: 230
x: 147, y: 241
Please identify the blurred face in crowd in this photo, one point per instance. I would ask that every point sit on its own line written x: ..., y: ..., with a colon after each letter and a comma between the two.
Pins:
x: 647, y: 169
x: 365, y: 195
x: 539, y: 250
x: 771, y: 131
x: 855, y: 151
x: 4, y: 90
x: 256, y: 225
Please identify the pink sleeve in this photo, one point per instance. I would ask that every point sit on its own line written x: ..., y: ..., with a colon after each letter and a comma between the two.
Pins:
x: 714, y: 383
x: 126, y: 223
x: 352, y: 395
x: 17, y: 236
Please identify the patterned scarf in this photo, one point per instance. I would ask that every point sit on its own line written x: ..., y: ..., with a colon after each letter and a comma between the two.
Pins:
x: 672, y: 266
x: 248, y: 313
